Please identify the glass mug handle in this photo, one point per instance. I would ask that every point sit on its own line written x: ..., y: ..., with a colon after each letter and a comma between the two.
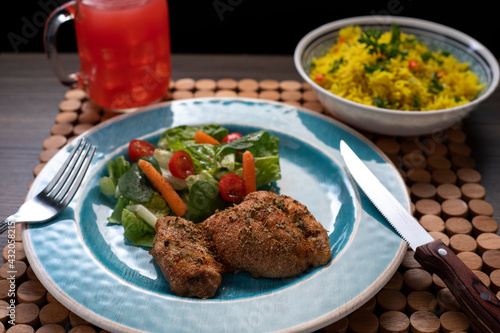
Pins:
x: 64, y: 13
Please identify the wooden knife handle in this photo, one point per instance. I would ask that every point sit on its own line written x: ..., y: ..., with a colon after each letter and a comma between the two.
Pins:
x: 479, y: 302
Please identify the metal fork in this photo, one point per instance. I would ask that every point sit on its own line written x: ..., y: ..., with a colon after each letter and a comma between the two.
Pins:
x: 58, y: 193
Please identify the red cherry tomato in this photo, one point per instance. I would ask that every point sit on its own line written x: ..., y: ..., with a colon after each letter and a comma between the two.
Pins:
x: 231, y: 137
x: 138, y: 148
x: 181, y: 164
x: 232, y: 187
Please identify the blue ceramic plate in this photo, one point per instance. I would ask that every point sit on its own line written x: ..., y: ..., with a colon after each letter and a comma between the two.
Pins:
x: 90, y: 268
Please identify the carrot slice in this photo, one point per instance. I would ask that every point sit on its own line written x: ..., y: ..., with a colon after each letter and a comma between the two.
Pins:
x: 202, y: 137
x: 249, y: 172
x: 161, y: 184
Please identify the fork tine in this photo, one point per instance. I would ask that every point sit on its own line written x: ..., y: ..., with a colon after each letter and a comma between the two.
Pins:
x: 58, y: 180
x: 81, y: 163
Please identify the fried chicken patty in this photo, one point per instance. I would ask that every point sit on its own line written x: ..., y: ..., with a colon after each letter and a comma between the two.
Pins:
x: 185, y: 259
x: 268, y: 235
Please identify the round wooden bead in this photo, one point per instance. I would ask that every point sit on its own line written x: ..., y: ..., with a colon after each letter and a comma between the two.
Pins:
x: 491, y: 260
x: 21, y: 328
x: 5, y: 289
x: 440, y: 235
x: 462, y: 243
x: 395, y: 282
x: 455, y: 135
x: 482, y: 224
x: 424, y: 322
x: 472, y: 191
x: 437, y: 283
x: 363, y: 321
x: 446, y: 301
x: 17, y: 269
x: 340, y: 326
x: 457, y: 225
x: 64, y: 129
x: 422, y: 191
x: 456, y: 148
x: 248, y: 85
x: 89, y: 118
x: 417, y: 279
x: 90, y: 106
x: 443, y: 176
x: 51, y: 298
x: 414, y: 160
x: 182, y: 94
x: 269, y: 84
x: 14, y: 251
x: 388, y: 145
x: 272, y: 95
x: 418, y: 176
x: 471, y: 260
x: 82, y: 329
x: 485, y: 279
x: 205, y: 84
x: 211, y: 93
x: 480, y: 207
x: 76, y: 93
x: 432, y: 223
x: 394, y: 322
x: 290, y: 85
x: 448, y: 191
x: 184, y: 84
x: 76, y: 320
x: 30, y: 274
x: 467, y: 175
x: 291, y: 95
x: 391, y: 300
x: 54, y: 141
x: 495, y: 280
x: 421, y: 301
x: 454, y: 208
x: 70, y: 105
x: 69, y: 117
x: 27, y: 313
x: 427, y: 207
x: 436, y: 162
x: 4, y: 312
x: 47, y: 154
x: 369, y: 305
x: 32, y: 292
x: 54, y: 313
x: 51, y: 328
x: 452, y: 321
x: 409, y: 261
x: 314, y: 106
x: 309, y: 96
x: 462, y: 161
x: 226, y: 93
x: 487, y: 241
x: 227, y: 84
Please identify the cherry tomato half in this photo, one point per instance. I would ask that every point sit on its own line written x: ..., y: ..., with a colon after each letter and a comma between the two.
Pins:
x: 138, y: 148
x: 231, y: 137
x: 232, y: 187
x: 181, y: 164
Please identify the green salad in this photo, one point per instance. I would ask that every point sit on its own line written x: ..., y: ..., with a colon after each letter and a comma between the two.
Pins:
x: 207, y: 175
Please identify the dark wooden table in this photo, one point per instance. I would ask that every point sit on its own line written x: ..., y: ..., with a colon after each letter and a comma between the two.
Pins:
x: 30, y: 94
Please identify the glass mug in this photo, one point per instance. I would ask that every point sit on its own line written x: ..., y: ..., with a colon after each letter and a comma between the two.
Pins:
x: 124, y: 50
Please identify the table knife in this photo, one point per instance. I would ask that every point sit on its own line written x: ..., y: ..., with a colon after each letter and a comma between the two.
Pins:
x: 476, y: 300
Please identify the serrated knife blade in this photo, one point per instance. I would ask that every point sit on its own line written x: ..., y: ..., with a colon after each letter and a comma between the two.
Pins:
x: 479, y: 302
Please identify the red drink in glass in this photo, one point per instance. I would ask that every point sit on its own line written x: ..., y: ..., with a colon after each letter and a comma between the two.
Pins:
x: 124, y: 50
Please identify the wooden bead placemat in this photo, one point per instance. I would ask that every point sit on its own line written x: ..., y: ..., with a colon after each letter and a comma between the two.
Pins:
x: 447, y: 199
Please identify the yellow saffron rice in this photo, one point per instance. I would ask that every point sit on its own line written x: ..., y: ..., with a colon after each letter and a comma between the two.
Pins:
x: 416, y: 80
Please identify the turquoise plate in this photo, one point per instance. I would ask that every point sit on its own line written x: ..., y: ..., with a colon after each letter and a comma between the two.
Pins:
x: 90, y: 268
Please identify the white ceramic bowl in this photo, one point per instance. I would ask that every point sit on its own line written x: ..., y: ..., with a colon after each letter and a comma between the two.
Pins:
x: 392, y: 122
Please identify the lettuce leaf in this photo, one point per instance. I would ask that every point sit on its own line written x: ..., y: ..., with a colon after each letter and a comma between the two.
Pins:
x: 137, y: 230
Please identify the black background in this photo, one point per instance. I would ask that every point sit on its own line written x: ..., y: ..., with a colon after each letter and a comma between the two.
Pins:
x: 256, y: 26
